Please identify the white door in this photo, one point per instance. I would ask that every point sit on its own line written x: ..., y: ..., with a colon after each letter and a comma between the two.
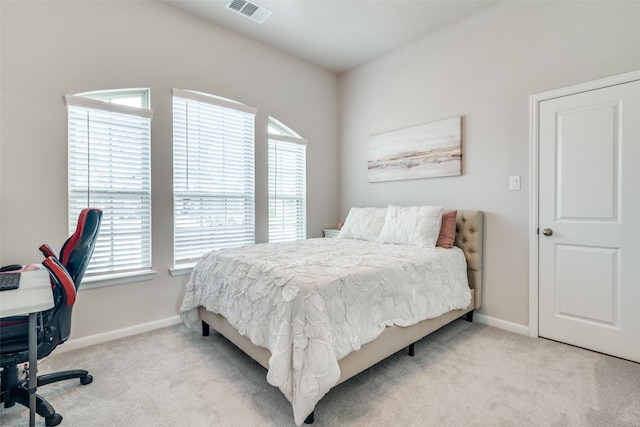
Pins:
x: 589, y: 220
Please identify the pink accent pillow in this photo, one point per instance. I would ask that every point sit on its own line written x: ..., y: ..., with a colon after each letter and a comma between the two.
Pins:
x: 447, y: 230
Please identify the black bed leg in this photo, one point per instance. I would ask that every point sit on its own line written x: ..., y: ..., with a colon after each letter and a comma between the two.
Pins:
x: 309, y: 419
x: 412, y: 349
x: 469, y: 316
x: 205, y: 329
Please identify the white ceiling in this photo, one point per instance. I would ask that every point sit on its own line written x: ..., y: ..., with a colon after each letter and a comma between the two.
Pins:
x: 337, y: 34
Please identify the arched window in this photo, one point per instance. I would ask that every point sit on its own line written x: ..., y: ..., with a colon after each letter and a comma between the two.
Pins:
x: 110, y: 168
x: 213, y: 174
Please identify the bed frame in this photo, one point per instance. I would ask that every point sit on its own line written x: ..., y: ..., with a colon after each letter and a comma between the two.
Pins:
x: 469, y: 237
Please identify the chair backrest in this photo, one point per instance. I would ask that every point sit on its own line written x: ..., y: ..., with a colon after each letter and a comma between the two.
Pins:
x: 78, y: 249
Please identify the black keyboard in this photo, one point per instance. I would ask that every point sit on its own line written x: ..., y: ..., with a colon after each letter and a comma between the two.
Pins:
x: 9, y: 281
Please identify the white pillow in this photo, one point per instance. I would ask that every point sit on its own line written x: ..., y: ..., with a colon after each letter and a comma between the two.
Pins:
x: 363, y: 223
x: 412, y: 225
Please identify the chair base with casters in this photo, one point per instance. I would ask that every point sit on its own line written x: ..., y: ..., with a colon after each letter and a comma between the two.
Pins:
x: 16, y: 390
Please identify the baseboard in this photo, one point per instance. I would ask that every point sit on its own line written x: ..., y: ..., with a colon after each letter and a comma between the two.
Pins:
x: 75, y: 344
x: 502, y: 324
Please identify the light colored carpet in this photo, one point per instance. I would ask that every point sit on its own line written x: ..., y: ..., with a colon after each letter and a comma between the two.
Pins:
x: 465, y: 374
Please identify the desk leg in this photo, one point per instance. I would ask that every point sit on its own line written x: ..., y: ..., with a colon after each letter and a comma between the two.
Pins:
x: 33, y: 366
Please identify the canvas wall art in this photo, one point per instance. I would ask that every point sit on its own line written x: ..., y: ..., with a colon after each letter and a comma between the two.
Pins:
x: 424, y: 151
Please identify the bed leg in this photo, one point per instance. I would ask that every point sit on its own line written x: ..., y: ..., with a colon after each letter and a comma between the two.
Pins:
x: 412, y: 349
x: 309, y: 419
x: 469, y: 316
x: 205, y: 329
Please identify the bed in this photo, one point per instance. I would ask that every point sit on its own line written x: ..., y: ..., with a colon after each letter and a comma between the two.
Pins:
x: 333, y: 308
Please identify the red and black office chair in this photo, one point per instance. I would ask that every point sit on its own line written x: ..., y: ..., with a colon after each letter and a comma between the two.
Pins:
x: 54, y: 325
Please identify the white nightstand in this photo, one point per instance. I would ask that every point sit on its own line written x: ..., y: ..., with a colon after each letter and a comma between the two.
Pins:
x: 330, y: 232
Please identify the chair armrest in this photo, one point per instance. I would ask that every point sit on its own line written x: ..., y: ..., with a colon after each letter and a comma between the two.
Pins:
x: 47, y: 251
x: 61, y: 278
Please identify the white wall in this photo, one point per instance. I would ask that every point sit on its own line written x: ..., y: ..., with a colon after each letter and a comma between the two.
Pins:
x: 53, y: 48
x: 483, y: 68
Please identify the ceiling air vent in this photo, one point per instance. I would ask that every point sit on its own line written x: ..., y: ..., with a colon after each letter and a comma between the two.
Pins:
x: 250, y: 10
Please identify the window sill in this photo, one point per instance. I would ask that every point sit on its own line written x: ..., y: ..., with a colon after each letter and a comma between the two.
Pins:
x: 95, y: 282
x: 182, y: 270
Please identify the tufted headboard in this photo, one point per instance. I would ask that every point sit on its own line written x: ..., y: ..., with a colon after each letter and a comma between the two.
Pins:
x: 469, y: 237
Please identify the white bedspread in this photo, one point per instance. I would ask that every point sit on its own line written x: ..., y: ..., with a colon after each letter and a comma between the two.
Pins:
x: 313, y: 302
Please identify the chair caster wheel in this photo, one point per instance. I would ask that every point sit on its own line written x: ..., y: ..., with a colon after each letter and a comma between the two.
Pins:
x: 53, y: 420
x: 88, y: 379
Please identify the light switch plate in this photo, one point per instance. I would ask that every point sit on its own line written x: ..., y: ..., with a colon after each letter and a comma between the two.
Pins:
x: 514, y: 182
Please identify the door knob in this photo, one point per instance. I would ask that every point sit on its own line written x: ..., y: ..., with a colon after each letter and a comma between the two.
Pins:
x: 547, y: 232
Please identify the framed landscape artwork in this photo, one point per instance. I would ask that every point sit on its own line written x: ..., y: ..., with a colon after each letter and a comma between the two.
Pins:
x: 424, y: 151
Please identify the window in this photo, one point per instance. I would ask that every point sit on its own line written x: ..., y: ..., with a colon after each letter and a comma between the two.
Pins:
x: 287, y: 184
x: 109, y: 139
x: 213, y: 174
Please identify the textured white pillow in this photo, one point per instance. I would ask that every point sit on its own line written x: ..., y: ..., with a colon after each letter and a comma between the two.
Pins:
x: 363, y: 223
x: 412, y: 225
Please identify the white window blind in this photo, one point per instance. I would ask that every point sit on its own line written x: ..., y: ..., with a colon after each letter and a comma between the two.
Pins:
x: 109, y: 168
x: 213, y: 174
x: 287, y: 184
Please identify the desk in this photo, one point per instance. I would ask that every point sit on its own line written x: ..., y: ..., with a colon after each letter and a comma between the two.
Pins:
x: 33, y: 296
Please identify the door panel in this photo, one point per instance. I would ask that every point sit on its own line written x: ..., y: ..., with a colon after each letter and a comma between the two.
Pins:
x: 591, y: 166
x: 586, y: 283
x: 589, y: 183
